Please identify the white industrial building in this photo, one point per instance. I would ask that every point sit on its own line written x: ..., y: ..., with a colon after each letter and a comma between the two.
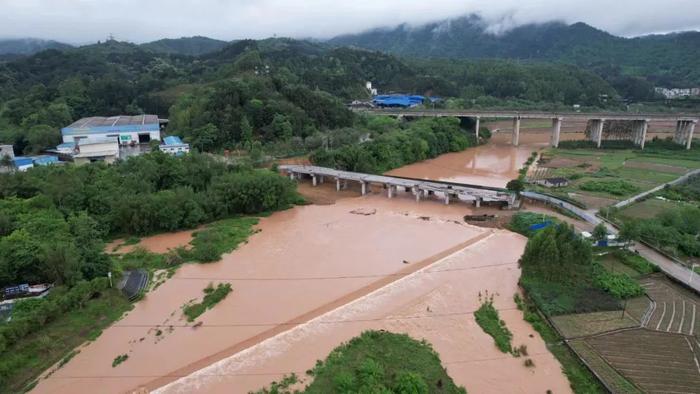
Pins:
x: 128, y: 130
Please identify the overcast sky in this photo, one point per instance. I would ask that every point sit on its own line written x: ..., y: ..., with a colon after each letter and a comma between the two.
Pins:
x: 83, y: 21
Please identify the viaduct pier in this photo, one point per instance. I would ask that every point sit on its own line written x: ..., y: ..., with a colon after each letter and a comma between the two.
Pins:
x: 418, y: 187
x: 685, y: 123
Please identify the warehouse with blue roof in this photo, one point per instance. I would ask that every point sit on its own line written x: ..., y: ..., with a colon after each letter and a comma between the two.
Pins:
x: 401, y: 100
x: 128, y: 130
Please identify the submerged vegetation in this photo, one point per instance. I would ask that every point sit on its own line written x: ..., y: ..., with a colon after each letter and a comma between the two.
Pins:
x: 212, y: 296
x: 488, y: 319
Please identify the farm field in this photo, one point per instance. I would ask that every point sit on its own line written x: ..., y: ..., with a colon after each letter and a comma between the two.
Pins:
x: 605, y: 372
x: 584, y: 324
x: 673, y: 309
x: 601, y: 177
x: 649, y: 346
x: 656, y: 362
x: 647, y: 209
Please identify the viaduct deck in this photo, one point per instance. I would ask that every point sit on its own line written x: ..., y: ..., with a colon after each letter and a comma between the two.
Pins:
x: 418, y: 187
x: 685, y: 123
x: 535, y: 114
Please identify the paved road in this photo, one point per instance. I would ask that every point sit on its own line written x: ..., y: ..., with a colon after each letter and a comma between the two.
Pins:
x: 669, y: 266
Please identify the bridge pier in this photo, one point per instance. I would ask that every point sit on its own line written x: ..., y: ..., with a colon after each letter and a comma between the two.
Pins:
x: 477, y: 203
x: 364, y: 187
x: 556, y: 131
x: 597, y: 131
x: 313, y: 179
x: 640, y: 132
x: 476, y: 128
x: 416, y: 191
x: 337, y: 184
x: 447, y: 198
x: 516, y: 131
x: 684, y: 132
x: 390, y: 191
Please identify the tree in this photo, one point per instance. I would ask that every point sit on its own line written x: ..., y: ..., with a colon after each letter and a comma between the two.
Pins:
x: 41, y: 137
x: 246, y: 132
x: 600, y: 232
x: 515, y: 185
x: 629, y: 231
x: 204, y: 138
x: 281, y: 127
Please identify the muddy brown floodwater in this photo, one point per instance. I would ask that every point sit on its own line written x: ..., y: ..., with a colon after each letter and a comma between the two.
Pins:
x: 497, y: 162
x: 305, y: 262
x: 435, y: 304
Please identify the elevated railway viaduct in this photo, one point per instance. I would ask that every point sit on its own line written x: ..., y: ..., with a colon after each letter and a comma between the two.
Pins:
x: 685, y: 123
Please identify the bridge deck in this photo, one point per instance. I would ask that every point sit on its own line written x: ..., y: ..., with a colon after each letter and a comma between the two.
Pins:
x: 534, y: 114
x: 465, y: 191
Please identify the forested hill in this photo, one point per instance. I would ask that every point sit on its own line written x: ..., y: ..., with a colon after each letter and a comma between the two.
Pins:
x: 192, y: 46
x: 265, y: 91
x: 28, y: 46
x: 666, y: 60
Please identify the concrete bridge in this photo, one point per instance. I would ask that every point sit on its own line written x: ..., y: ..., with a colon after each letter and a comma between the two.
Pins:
x: 418, y: 187
x: 685, y: 123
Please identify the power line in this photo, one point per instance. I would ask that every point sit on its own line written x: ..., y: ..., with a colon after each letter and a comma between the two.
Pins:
x: 342, y: 276
x: 287, y: 323
x: 200, y: 374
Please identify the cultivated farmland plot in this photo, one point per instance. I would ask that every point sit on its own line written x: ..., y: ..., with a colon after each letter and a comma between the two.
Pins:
x: 672, y: 308
x: 653, y: 347
x: 657, y: 362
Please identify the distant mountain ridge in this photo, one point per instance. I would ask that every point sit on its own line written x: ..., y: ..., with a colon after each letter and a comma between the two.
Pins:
x: 668, y: 60
x: 191, y: 46
x: 28, y: 46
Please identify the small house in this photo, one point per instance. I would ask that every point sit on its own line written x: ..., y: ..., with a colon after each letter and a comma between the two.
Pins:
x: 553, y: 182
x: 173, y: 145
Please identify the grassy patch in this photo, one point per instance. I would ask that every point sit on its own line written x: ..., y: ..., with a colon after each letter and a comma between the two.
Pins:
x: 379, y: 362
x: 281, y: 387
x: 522, y: 221
x: 220, y: 237
x: 488, y: 319
x: 22, y: 362
x: 614, y: 187
x: 119, y: 359
x: 212, y: 296
x: 131, y: 241
x: 636, y: 262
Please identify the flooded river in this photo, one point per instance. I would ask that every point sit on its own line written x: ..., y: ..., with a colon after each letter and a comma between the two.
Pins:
x: 317, y: 275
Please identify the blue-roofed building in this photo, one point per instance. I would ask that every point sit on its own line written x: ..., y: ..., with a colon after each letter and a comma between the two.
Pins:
x: 401, y: 100
x: 173, y: 145
x: 128, y: 130
x: 23, y: 163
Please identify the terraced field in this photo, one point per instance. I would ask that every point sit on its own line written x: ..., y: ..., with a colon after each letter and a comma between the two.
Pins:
x: 657, y: 362
x: 612, y: 379
x: 672, y: 308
